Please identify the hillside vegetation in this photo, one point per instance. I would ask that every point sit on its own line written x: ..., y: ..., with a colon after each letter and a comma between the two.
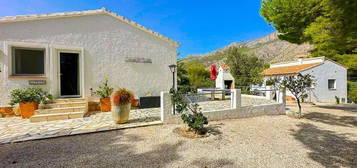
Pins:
x: 269, y: 48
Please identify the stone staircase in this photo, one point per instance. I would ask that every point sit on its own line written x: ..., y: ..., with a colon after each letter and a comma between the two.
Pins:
x: 62, y: 109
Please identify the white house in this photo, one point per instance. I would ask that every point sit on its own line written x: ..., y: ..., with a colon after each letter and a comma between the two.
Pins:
x: 70, y: 53
x: 224, y: 79
x: 330, y: 77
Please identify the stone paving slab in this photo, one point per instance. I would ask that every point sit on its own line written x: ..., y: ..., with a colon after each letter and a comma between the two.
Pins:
x: 16, y: 129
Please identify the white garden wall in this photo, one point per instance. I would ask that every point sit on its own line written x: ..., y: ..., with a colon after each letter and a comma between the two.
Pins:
x: 236, y: 111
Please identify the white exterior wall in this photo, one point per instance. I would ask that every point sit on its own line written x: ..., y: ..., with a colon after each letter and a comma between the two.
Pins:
x: 322, y: 73
x: 103, y: 43
x: 220, y: 80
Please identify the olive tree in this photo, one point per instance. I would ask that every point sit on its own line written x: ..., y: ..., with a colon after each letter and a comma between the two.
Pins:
x: 298, y: 85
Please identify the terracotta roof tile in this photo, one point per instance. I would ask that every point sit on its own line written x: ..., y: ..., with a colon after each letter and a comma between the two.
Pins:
x: 288, y: 69
x: 225, y: 67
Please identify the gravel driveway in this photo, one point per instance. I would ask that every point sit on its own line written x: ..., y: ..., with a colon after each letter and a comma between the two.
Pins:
x: 327, y: 137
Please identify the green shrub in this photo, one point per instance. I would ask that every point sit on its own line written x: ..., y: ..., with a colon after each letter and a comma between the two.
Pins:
x: 29, y: 95
x: 352, y: 91
x: 270, y: 82
x: 104, y: 90
x: 199, y: 77
x: 185, y: 88
x: 194, y: 120
x: 337, y: 100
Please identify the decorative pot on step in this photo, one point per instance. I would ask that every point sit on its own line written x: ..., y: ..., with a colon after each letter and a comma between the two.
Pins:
x: 27, y: 109
x: 134, y: 103
x: 6, y: 111
x: 120, y: 114
x: 105, y: 104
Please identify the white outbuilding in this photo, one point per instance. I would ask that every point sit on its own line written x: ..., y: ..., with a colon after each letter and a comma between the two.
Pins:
x: 330, y: 77
x: 224, y: 79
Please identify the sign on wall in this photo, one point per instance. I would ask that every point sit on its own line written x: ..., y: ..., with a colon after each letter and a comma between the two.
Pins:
x: 37, y: 82
x: 138, y: 60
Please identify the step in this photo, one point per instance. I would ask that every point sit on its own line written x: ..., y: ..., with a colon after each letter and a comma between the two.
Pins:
x: 70, y: 100
x: 61, y: 110
x: 62, y: 105
x: 56, y: 116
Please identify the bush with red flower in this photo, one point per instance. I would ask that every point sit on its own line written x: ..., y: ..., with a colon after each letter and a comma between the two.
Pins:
x: 122, y: 97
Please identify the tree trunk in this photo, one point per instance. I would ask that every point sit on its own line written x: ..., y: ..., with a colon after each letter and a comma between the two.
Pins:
x: 299, y: 105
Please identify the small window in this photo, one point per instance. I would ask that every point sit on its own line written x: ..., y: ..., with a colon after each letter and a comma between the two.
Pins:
x: 332, y: 84
x: 28, y: 62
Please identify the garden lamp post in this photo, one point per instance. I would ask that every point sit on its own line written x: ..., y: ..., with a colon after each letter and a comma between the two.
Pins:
x: 173, y: 70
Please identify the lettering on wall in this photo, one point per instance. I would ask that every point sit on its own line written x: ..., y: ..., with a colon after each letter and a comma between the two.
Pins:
x: 37, y: 82
x: 138, y: 60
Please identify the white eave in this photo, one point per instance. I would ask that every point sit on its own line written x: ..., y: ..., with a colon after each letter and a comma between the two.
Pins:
x: 86, y: 13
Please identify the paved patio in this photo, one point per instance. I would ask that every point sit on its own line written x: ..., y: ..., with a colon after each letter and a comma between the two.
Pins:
x: 16, y: 129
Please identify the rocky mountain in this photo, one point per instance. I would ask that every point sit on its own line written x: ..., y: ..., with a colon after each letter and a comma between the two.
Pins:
x: 269, y: 48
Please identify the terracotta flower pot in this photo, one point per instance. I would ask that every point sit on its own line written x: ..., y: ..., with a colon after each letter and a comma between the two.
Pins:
x: 28, y: 109
x: 120, y: 114
x: 93, y: 106
x: 105, y: 104
x: 134, y: 102
x: 6, y: 111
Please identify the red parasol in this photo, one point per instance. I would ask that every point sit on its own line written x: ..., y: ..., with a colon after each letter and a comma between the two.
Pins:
x: 213, y: 72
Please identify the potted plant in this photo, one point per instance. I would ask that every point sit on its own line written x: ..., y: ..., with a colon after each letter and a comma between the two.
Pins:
x: 28, y: 99
x: 121, y: 105
x: 104, y: 93
x: 46, y: 99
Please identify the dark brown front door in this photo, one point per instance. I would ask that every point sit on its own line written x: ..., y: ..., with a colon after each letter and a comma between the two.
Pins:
x: 69, y: 74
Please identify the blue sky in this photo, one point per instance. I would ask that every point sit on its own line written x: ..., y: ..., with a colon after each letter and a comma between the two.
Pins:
x: 200, y: 26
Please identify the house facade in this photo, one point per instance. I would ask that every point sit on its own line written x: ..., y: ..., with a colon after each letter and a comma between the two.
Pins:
x: 69, y: 54
x: 330, y: 77
x: 224, y: 79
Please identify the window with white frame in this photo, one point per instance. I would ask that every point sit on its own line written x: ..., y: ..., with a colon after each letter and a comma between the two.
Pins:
x: 28, y: 61
x: 332, y: 84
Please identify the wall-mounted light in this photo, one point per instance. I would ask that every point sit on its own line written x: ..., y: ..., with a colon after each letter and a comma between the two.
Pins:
x: 91, y: 91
